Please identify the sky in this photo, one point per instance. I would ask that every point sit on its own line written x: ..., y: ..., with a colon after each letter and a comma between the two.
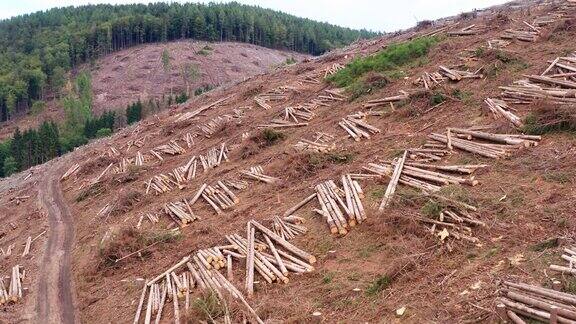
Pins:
x: 383, y: 15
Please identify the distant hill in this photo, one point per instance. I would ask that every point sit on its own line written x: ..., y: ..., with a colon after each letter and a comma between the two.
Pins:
x: 36, y: 50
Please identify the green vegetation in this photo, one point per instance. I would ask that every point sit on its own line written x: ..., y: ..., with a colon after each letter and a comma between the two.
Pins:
x: 431, y: 208
x: 328, y: 277
x: 103, y: 132
x: 134, y: 112
x: 289, y: 61
x: 203, y: 89
x: 208, y: 307
x: 271, y: 136
x: 37, y: 50
x: 380, y: 283
x: 545, y: 245
x: 205, y: 51
x: 94, y: 125
x: 181, y: 98
x: 550, y: 119
x: 437, y: 98
x: 385, y: 64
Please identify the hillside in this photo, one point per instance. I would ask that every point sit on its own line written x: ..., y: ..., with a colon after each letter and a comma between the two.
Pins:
x: 451, y: 151
x: 138, y: 73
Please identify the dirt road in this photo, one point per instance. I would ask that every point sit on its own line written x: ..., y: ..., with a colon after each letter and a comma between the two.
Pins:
x: 55, y: 299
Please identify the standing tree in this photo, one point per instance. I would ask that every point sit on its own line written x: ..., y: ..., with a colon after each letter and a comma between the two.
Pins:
x: 190, y: 73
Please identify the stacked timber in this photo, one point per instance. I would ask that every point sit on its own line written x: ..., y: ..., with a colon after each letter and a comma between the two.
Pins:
x: 211, y: 258
x: 8, y: 250
x: 283, y: 258
x: 429, y: 80
x: 14, y: 292
x: 454, y: 220
x: 71, y: 171
x: 236, y: 184
x: 293, y: 113
x: 428, y: 154
x: 307, y: 145
x: 214, y: 125
x: 357, y: 128
x: 112, y: 151
x: 340, y: 207
x: 428, y: 178
x: 172, y: 148
x: 214, y: 157
x: 492, y: 146
x: 191, y: 114
x: 497, y: 44
x: 320, y: 137
x: 569, y: 256
x: 189, y: 139
x: 288, y: 227
x: 180, y: 212
x: 160, y: 184
x: 333, y: 69
x: 535, y: 302
x: 500, y: 109
x: 309, y: 79
x: 530, y: 35
x: 219, y: 197
x: 457, y: 75
x: 282, y: 123
x: 257, y: 173
x: 468, y: 30
x: 403, y: 96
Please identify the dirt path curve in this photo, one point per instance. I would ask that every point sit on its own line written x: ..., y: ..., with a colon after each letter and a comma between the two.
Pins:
x: 55, y: 299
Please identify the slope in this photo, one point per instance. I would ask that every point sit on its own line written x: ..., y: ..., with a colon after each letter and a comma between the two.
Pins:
x: 391, y: 260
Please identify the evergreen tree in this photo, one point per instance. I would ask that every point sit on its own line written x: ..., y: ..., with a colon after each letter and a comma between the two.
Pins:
x: 10, y: 166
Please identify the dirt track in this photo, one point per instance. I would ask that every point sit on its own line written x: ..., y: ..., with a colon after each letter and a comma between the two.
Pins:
x: 55, y: 301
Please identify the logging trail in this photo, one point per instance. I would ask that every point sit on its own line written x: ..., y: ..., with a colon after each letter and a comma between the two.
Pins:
x: 55, y: 301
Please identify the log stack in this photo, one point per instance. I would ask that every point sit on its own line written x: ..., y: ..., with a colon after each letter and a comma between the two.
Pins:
x: 214, y: 157
x: 529, y: 35
x: 257, y: 173
x: 341, y: 207
x: 429, y: 80
x: 180, y: 212
x: 14, y: 292
x: 468, y: 30
x: 534, y: 302
x: 307, y: 145
x: 497, y: 44
x: 500, y: 109
x: 486, y: 144
x: 219, y: 197
x: 288, y: 227
x: 191, y: 114
x: 214, y: 125
x: 71, y: 171
x: 333, y: 69
x: 358, y: 128
x: 569, y: 256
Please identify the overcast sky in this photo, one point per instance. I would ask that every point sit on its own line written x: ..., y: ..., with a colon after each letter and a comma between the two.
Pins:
x: 383, y: 15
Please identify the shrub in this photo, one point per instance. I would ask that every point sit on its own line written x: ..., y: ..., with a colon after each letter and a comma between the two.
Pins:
x: 367, y: 84
x: 209, y: 307
x: 103, y: 132
x: 379, y: 284
x: 181, y: 98
x: 437, y: 98
x: 550, y: 119
x: 269, y: 137
x: 388, y: 59
x: 289, y: 61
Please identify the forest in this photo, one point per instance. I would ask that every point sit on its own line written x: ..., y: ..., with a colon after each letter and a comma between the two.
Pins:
x: 38, y: 50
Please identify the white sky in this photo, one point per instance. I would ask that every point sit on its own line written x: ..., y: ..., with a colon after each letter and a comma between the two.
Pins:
x: 383, y: 15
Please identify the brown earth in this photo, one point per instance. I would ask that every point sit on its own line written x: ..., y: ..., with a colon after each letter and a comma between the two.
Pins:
x: 525, y: 200
x: 122, y: 78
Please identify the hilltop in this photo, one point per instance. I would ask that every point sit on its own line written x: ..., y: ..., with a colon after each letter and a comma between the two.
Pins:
x: 450, y: 148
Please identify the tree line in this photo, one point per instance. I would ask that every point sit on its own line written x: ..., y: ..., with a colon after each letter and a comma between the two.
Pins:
x: 37, y: 50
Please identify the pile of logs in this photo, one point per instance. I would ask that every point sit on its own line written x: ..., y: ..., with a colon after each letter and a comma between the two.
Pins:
x: 19, y: 199
x: 307, y: 145
x: 429, y: 80
x: 570, y: 257
x: 388, y: 100
x: 137, y: 142
x: 112, y: 151
x: 469, y: 30
x: 493, y: 146
x: 425, y: 177
x: 172, y: 148
x: 534, y: 302
x: 189, y: 139
x: 288, y: 227
x: 219, y: 197
x: 163, y: 183
x: 14, y: 292
x: 272, y: 267
x: 298, y: 112
x: 457, y: 75
x: 428, y: 153
x: 500, y: 109
x: 192, y: 114
x: 282, y: 123
x: 211, y: 258
x: 257, y: 173
x: 309, y: 79
x: 214, y: 157
x: 181, y: 212
x: 214, y: 125
x: 342, y: 208
x: 521, y: 35
x: 333, y: 69
x: 497, y: 44
x: 277, y: 94
x: 357, y: 128
x: 8, y: 250
x: 72, y: 170
x: 454, y: 220
x: 236, y: 184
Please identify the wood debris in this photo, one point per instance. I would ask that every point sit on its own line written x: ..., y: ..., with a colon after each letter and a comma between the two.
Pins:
x: 19, y: 199
x: 535, y: 302
x: 458, y: 75
x: 257, y: 173
x: 529, y: 35
x: 500, y: 109
x: 429, y: 80
x: 333, y: 69
x: 468, y: 30
x: 192, y: 114
x: 189, y: 139
x: 288, y: 227
x: 386, y: 101
x: 307, y: 145
x: 497, y: 43
x: 215, y: 125
x: 357, y: 128
x: 71, y: 171
x: 341, y: 207
x: 570, y: 257
x: 219, y: 197
x: 180, y: 212
x: 214, y: 157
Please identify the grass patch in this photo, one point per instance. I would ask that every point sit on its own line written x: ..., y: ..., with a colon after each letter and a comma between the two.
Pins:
x: 208, y: 307
x: 380, y: 283
x: 205, y: 51
x: 328, y: 277
x: 386, y: 64
x: 437, y: 98
x: 271, y: 137
x: 548, y: 118
x: 465, y: 96
x: 570, y: 286
x: 562, y: 177
x: 431, y: 208
x: 545, y: 245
